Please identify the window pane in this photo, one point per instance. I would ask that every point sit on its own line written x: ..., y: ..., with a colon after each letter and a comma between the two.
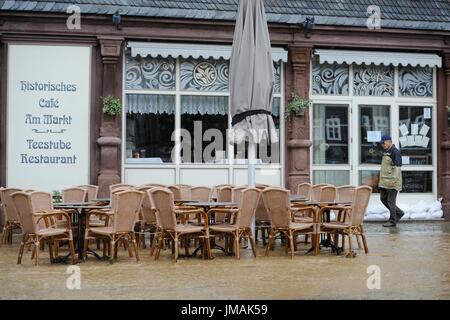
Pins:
x: 330, y: 78
x: 373, y: 80
x: 336, y: 177
x: 330, y: 134
x: 417, y: 181
x: 267, y: 151
x: 204, y: 75
x: 149, y: 73
x: 415, y: 81
x: 370, y: 178
x: 205, y: 121
x: 415, y: 134
x: 375, y: 120
x: 277, y: 77
x: 150, y: 122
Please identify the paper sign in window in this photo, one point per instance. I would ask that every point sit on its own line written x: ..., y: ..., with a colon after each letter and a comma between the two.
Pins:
x: 403, y: 142
x: 425, y: 142
x: 414, y: 129
x: 427, y: 113
x: 411, y: 141
x: 424, y: 130
x: 373, y: 136
x: 405, y: 160
x: 404, y: 130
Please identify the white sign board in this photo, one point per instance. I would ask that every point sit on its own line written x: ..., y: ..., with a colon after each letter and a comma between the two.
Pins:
x: 48, y: 116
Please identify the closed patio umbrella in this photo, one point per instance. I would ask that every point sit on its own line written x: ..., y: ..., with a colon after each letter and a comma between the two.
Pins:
x: 251, y: 80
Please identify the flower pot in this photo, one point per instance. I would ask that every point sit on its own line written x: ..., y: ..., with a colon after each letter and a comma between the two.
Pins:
x: 300, y: 112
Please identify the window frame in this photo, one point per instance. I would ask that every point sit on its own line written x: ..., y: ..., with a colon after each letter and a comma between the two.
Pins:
x: 394, y: 102
x: 177, y: 166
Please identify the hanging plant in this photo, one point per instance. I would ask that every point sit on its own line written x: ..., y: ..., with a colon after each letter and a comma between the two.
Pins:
x: 296, y: 106
x: 111, y: 106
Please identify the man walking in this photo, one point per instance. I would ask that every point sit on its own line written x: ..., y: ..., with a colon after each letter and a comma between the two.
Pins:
x: 390, y: 182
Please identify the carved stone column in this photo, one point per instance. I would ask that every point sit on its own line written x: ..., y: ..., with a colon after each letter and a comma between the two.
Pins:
x: 298, y: 141
x: 110, y: 131
x: 444, y: 135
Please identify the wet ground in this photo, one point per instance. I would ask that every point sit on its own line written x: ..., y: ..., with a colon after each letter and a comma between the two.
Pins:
x: 413, y: 260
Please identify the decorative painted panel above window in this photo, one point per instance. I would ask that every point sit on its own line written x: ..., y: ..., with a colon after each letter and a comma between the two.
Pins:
x: 204, y: 75
x: 415, y: 81
x: 373, y: 80
x: 150, y: 73
x: 330, y: 79
x: 277, y: 77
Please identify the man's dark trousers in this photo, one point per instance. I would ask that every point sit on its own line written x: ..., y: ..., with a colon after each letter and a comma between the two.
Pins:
x: 388, y: 197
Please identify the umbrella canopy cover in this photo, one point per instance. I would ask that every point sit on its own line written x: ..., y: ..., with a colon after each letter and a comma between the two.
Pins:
x: 251, y: 76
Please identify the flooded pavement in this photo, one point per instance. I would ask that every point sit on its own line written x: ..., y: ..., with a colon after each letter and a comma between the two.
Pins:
x: 414, y: 263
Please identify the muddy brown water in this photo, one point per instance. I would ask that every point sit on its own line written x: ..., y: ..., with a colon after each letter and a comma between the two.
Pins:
x: 413, y: 260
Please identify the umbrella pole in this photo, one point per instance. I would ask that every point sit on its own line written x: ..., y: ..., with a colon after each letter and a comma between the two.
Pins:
x: 252, y: 173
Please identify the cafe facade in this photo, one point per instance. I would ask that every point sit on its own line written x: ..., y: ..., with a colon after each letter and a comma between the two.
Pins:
x: 168, y: 67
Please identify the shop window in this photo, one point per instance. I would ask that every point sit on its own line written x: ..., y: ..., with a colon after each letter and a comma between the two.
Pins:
x: 374, y: 123
x: 330, y: 79
x: 150, y: 73
x: 150, y: 122
x: 373, y: 80
x: 417, y: 181
x: 415, y: 81
x: 330, y: 132
x: 415, y: 135
x: 370, y: 178
x: 267, y: 151
x: 205, y: 121
x: 335, y: 177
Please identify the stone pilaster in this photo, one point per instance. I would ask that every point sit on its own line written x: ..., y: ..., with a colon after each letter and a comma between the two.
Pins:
x: 110, y: 131
x: 298, y: 140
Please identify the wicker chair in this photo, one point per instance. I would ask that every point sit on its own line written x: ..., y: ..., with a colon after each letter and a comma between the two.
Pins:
x: 200, y: 193
x: 92, y: 191
x: 242, y: 224
x: 224, y: 194
x: 353, y: 224
x: 28, y: 207
x: 12, y: 220
x: 278, y: 207
x: 119, y: 185
x: 262, y: 219
x: 127, y: 205
x: 163, y: 200
x: 147, y: 217
x: 304, y: 190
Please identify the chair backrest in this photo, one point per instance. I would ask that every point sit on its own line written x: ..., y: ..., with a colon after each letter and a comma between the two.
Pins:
x: 29, y: 202
x: 224, y: 194
x: 118, y: 185
x: 236, y: 194
x: 92, y: 191
x: 327, y: 193
x: 148, y: 209
x: 200, y: 193
x: 247, y: 207
x: 277, y: 203
x: 74, y: 195
x: 315, y: 191
x: 162, y: 199
x: 185, y: 191
x: 128, y: 206
x: 152, y: 185
x: 359, y: 205
x: 176, y: 192
x: 261, y: 211
x: 8, y: 204
x: 345, y: 193
x: 304, y: 190
x: 217, y: 187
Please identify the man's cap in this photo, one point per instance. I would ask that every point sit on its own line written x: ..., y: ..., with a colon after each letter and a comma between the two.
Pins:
x: 385, y: 138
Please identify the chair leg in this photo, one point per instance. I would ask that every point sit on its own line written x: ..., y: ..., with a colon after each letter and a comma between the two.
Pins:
x: 22, y: 245
x: 237, y: 245
x: 175, y: 245
x: 358, y: 239
x: 306, y: 238
x: 37, y: 249
x: 252, y: 241
x: 72, y: 251
x: 50, y: 251
x: 85, y: 247
x: 271, y: 239
x: 291, y: 243
x: 133, y: 240
x: 363, y: 236
x: 208, y: 245
x: 126, y: 244
x: 350, y: 245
